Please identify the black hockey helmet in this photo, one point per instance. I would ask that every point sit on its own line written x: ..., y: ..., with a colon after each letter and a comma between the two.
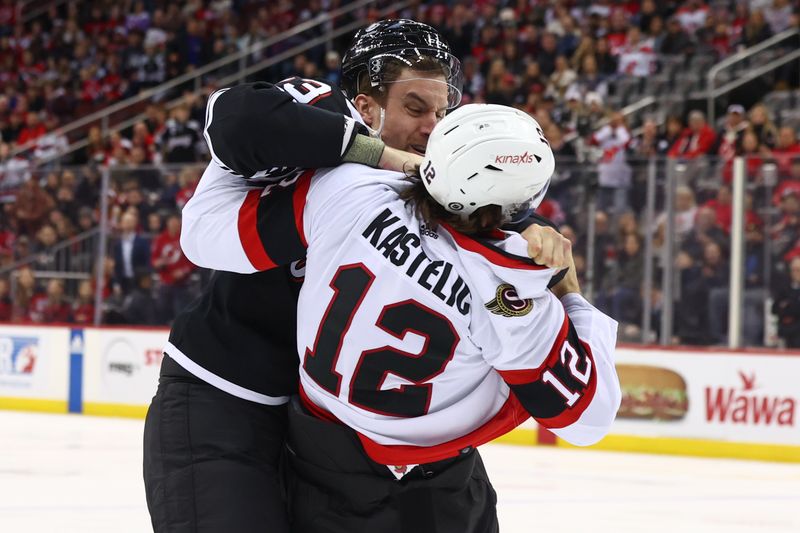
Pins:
x: 402, y: 40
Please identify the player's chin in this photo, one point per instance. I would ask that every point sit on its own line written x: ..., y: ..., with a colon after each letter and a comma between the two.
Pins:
x: 417, y: 149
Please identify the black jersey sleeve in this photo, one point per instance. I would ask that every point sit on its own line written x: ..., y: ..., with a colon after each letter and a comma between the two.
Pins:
x: 262, y: 130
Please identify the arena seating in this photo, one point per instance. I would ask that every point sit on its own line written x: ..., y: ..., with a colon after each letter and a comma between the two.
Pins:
x: 83, y: 56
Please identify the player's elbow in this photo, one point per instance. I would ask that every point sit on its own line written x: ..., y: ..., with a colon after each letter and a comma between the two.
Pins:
x: 597, y: 420
x: 189, y: 242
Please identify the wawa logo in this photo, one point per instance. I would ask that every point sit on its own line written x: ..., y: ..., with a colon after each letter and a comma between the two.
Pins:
x: 747, y: 406
x: 515, y: 159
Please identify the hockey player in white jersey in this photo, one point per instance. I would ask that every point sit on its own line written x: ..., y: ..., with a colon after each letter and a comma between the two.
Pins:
x: 425, y: 330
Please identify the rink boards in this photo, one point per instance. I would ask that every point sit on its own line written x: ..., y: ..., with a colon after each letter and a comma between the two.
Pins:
x: 738, y: 404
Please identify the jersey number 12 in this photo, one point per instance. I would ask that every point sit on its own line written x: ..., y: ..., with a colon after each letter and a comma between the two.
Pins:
x: 350, y: 285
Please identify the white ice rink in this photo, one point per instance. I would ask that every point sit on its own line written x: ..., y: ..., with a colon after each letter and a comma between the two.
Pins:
x: 62, y: 473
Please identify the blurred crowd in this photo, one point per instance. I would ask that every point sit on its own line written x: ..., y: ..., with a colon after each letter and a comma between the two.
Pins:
x: 561, y: 61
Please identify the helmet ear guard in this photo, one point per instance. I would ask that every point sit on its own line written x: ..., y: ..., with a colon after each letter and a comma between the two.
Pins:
x: 485, y: 154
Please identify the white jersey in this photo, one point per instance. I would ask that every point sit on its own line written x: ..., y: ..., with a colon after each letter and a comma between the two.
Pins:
x: 425, y: 341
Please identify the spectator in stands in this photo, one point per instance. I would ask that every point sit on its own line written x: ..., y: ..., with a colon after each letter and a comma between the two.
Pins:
x: 648, y: 143
x: 673, y: 129
x: 729, y: 138
x: 698, y: 278
x: 131, y: 252
x: 83, y: 307
x: 606, y: 61
x: 614, y: 173
x: 786, y: 305
x: 692, y: 15
x: 762, y: 125
x: 604, y: 247
x: 547, y: 53
x: 755, y: 31
x: 14, y: 171
x: 685, y: 215
x: 50, y: 307
x: 173, y: 270
x: 562, y: 77
x: 193, y: 48
x: 25, y: 292
x: 784, y: 233
x: 46, y: 258
x: 704, y: 231
x: 32, y: 131
x: 32, y: 206
x: 753, y: 153
x: 154, y: 225
x: 13, y: 126
x: 181, y: 138
x: 51, y: 144
x: 786, y: 151
x: 187, y: 180
x: 676, y: 41
x: 778, y: 15
x: 139, y: 307
x: 636, y: 56
x: 5, y: 301
x: 621, y: 294
x: 721, y: 204
x: 791, y: 183
x: 572, y: 115
x: 590, y: 80
x: 696, y: 140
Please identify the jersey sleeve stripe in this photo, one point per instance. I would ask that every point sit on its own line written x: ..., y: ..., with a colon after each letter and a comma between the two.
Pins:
x: 522, y: 377
x: 277, y: 225
x: 571, y: 415
x: 249, y: 235
x: 299, y: 203
x: 492, y: 253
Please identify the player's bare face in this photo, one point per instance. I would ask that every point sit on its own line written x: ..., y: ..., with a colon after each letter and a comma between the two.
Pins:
x: 414, y: 104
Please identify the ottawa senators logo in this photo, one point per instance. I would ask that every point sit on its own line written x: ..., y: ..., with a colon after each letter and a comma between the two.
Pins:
x: 507, y: 303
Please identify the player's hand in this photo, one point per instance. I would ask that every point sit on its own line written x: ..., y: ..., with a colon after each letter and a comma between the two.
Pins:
x: 569, y: 284
x: 548, y: 247
x: 398, y: 160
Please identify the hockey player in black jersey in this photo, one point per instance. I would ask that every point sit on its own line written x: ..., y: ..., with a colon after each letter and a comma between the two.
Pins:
x: 217, y: 424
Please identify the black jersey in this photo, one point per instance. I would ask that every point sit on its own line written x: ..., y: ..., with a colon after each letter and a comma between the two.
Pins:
x: 240, y: 335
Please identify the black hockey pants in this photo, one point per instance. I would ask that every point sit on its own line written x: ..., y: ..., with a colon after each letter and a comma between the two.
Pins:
x: 333, y: 487
x: 211, y: 459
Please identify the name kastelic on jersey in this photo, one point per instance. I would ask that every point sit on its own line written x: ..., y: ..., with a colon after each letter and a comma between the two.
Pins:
x: 435, y: 276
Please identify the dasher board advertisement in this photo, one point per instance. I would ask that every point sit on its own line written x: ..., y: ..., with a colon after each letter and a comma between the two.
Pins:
x: 34, y: 364
x: 121, y: 365
x: 722, y: 396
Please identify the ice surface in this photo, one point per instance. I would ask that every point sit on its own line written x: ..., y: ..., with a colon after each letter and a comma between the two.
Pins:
x: 68, y: 473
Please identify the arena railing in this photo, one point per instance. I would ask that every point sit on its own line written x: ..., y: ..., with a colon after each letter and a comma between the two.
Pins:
x: 129, y: 110
x: 31, y: 9
x: 712, y: 92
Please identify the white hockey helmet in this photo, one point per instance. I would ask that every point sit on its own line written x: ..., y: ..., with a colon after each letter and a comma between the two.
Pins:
x: 486, y: 154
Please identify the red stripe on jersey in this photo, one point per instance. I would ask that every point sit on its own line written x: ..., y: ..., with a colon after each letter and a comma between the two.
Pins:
x: 498, y: 234
x: 314, y: 409
x: 570, y: 415
x: 525, y: 376
x: 248, y: 232
x: 510, y: 415
x: 492, y: 254
x: 299, y: 202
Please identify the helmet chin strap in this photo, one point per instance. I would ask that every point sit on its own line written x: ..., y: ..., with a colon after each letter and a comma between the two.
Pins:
x: 376, y: 133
